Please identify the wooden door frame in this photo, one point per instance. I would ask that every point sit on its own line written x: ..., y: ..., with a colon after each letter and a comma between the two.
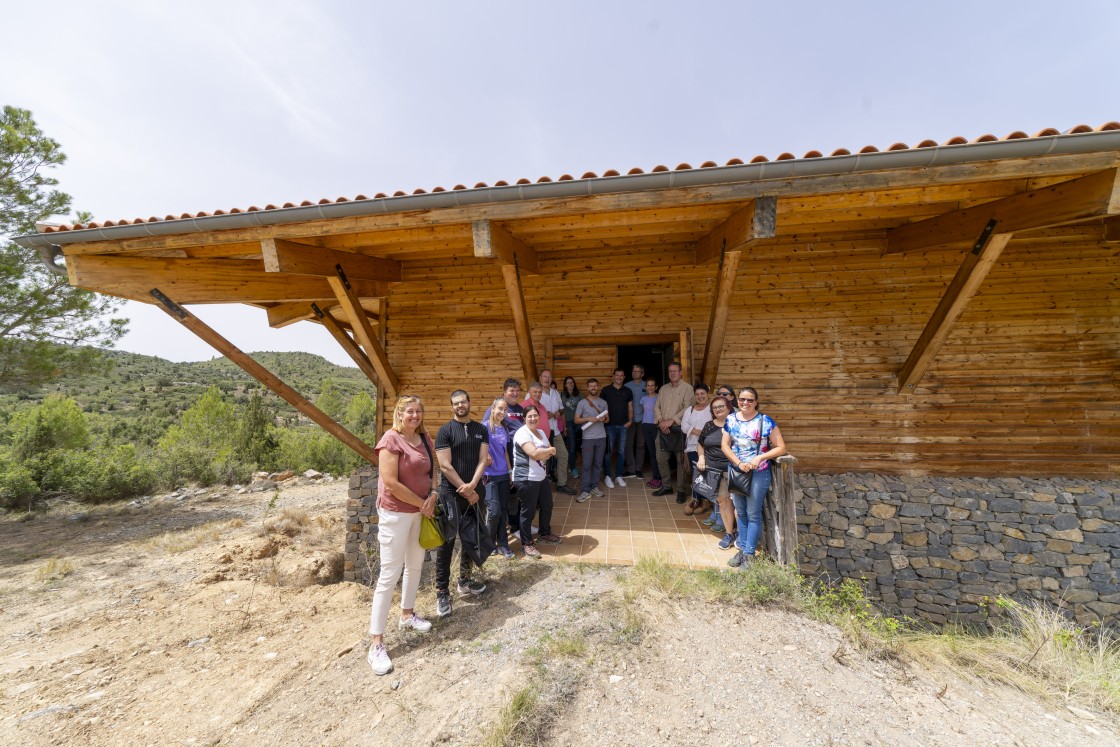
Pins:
x: 683, y: 339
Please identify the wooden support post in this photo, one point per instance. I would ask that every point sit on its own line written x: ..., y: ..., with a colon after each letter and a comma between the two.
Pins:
x: 1092, y: 196
x: 780, y: 512
x: 512, y: 279
x: 347, y: 343
x: 263, y: 375
x: 717, y: 319
x: 386, y: 377
x: 964, y: 285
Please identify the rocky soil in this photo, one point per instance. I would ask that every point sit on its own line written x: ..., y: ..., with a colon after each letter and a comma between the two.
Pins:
x: 212, y: 617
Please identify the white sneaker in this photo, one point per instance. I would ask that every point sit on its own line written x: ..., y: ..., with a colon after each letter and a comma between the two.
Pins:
x: 596, y: 492
x: 619, y: 482
x: 583, y: 497
x: 609, y: 482
x: 535, y: 530
x: 414, y: 622
x: 379, y: 660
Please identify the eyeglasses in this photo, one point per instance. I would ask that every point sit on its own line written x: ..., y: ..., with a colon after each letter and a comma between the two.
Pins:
x: 747, y: 399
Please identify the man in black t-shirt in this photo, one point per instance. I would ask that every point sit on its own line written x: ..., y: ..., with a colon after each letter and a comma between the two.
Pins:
x: 620, y: 414
x: 462, y: 448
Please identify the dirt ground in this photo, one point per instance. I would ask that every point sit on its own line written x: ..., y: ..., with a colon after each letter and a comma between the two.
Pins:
x: 211, y: 617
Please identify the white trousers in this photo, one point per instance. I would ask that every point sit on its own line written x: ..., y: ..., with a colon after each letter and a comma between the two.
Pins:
x: 398, y: 534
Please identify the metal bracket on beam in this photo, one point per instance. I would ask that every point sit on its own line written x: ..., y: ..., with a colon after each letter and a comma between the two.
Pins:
x: 342, y: 276
x: 167, y: 303
x: 985, y: 236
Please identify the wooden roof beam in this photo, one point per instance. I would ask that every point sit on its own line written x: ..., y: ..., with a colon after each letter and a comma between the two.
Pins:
x: 1112, y: 229
x: 1093, y: 196
x: 717, y: 318
x: 964, y: 285
x: 491, y: 241
x: 281, y: 255
x: 283, y: 314
x: 512, y: 279
x: 263, y: 375
x: 344, y: 291
x: 758, y: 220
x: 202, y: 280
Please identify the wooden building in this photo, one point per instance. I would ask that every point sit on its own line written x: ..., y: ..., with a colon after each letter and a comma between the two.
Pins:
x: 934, y: 309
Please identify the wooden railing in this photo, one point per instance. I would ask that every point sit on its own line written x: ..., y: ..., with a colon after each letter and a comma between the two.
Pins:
x: 779, y: 515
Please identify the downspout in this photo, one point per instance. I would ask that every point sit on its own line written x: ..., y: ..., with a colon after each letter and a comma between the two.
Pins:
x: 49, y: 255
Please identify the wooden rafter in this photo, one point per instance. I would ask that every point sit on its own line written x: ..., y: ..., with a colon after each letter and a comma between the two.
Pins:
x: 512, y: 280
x: 352, y: 307
x: 347, y: 342
x: 717, y: 318
x: 1092, y: 196
x: 304, y: 259
x: 263, y: 375
x: 283, y: 314
x: 758, y: 220
x: 1112, y: 229
x: 201, y: 280
x: 964, y: 285
x: 491, y: 241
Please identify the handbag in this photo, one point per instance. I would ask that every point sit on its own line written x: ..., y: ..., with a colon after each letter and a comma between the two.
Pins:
x: 673, y: 440
x: 739, y: 480
x: 430, y: 535
x: 477, y: 544
x: 706, y: 484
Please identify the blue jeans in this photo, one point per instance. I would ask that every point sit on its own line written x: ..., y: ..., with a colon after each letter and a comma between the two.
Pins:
x: 616, y: 437
x: 748, y: 511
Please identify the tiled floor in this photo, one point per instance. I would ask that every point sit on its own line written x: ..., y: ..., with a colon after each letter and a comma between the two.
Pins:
x: 628, y: 523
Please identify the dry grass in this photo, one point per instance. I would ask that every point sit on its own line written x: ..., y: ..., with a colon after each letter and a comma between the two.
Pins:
x: 1040, y: 652
x: 54, y: 569
x: 188, y: 539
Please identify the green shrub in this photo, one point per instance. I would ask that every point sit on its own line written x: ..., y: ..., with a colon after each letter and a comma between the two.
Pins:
x: 17, y: 486
x: 100, y: 474
x: 57, y: 423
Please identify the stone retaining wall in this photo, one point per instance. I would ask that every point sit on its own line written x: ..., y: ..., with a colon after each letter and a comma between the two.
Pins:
x: 943, y: 549
x: 361, y: 526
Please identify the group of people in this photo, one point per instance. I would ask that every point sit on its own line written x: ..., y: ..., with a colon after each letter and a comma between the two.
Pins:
x: 501, y: 471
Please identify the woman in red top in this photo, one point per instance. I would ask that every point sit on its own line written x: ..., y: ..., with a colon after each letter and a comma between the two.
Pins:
x: 405, y: 492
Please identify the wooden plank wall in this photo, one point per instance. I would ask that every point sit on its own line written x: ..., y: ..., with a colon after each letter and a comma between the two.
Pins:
x: 1028, y: 383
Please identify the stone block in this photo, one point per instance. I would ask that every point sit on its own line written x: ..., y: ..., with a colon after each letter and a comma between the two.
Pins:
x: 1103, y: 539
x: 1065, y: 521
x: 915, y: 539
x: 915, y: 510
x: 1014, y: 533
x: 834, y: 542
x: 1005, y: 505
x: 963, y: 553
x: 945, y: 563
x: 857, y: 531
x: 1062, y: 546
x: 883, y: 511
x: 880, y: 538
x: 1099, y: 525
x: 898, y: 562
x: 1035, y: 507
x: 838, y: 522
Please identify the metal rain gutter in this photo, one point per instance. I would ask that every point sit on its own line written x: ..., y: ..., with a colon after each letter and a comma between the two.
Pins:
x: 943, y: 155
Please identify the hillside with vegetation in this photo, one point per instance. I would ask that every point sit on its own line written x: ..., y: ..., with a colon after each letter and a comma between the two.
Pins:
x: 137, y: 423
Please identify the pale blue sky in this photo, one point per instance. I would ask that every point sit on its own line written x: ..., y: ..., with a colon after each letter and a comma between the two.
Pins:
x: 180, y: 107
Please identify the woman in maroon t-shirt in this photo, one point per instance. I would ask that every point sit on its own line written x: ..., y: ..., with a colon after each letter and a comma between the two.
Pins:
x: 405, y: 492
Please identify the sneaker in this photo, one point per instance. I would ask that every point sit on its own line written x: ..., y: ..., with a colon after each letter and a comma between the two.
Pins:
x: 417, y: 623
x: 663, y: 491
x: 515, y: 535
x: 574, y: 473
x: 552, y: 539
x: 717, y: 528
x: 655, y: 484
x: 532, y: 552
x: 710, y: 520
x: 379, y: 660
x: 443, y: 603
x: 736, y: 559
x: 469, y: 586
x: 608, y: 481
x: 596, y: 492
x: 630, y: 474
x: 506, y: 553
x: 535, y: 530
x: 619, y: 482
x: 583, y: 497
x: 565, y: 490
x: 681, y: 497
x: 726, y: 542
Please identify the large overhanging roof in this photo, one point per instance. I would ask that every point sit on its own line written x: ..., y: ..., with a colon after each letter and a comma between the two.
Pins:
x: 760, y: 172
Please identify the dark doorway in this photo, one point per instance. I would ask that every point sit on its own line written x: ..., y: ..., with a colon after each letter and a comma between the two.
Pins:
x: 654, y: 358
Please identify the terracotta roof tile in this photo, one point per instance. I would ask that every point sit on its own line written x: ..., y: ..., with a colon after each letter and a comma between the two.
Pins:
x: 839, y: 152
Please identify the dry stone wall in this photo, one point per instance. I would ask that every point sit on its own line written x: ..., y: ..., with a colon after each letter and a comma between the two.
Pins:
x: 943, y: 549
x: 361, y: 526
